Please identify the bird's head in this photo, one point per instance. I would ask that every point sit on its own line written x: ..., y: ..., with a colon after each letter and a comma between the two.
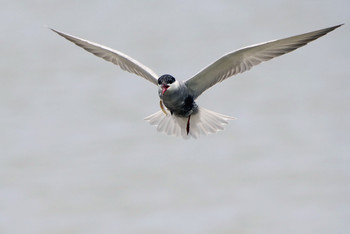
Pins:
x: 167, y: 82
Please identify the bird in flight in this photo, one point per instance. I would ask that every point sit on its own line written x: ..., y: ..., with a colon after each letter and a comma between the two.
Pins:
x: 181, y: 115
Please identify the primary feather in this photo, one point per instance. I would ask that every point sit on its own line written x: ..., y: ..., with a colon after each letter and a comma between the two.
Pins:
x: 118, y: 58
x: 244, y: 59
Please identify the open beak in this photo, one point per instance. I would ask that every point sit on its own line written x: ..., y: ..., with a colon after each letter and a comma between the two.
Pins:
x: 164, y: 88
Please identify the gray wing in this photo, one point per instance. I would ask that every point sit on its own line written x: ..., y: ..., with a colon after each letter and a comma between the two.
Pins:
x: 243, y: 59
x: 125, y: 62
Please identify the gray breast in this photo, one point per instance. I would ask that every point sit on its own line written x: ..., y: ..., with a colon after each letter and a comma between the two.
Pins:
x: 179, y: 101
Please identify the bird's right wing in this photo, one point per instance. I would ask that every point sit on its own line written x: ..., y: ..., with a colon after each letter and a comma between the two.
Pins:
x: 122, y: 60
x: 242, y: 60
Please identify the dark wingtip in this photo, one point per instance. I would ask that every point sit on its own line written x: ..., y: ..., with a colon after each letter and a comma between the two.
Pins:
x: 48, y: 27
x: 54, y: 30
x: 337, y: 26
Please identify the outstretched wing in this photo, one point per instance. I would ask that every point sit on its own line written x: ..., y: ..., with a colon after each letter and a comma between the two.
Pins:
x: 242, y: 60
x: 125, y: 62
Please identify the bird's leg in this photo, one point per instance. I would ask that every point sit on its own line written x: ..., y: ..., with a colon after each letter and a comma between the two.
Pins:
x: 188, y: 125
x: 162, y: 107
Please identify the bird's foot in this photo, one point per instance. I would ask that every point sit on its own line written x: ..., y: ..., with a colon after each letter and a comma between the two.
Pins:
x: 162, y: 107
x: 188, y: 125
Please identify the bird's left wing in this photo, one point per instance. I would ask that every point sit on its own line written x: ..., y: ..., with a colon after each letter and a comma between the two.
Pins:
x: 122, y: 60
x: 242, y: 60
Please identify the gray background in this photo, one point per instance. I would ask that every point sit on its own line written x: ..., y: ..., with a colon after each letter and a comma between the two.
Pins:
x: 77, y: 157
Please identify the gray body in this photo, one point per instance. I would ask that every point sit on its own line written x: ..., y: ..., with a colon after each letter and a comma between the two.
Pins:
x: 179, y: 101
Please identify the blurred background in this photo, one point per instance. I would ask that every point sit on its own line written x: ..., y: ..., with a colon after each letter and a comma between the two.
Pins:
x: 76, y: 155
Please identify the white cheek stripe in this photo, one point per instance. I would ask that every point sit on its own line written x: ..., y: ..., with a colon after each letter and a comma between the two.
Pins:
x: 174, y: 85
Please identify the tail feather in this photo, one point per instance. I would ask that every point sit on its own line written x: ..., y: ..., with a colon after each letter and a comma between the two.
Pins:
x: 203, y: 122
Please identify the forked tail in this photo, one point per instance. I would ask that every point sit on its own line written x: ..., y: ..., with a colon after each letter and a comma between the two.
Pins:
x: 203, y: 122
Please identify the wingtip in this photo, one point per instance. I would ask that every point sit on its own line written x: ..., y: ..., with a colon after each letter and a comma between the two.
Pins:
x: 334, y: 27
x: 48, y: 27
x: 53, y: 30
x: 337, y: 26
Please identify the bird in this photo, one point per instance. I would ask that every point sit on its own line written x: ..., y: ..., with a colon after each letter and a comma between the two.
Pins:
x: 179, y: 114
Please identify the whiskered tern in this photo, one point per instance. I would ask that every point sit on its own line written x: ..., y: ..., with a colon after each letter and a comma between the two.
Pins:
x: 181, y: 115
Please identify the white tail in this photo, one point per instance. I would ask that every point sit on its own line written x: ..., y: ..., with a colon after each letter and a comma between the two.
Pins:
x: 203, y: 122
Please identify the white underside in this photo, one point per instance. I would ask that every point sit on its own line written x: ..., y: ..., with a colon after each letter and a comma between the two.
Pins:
x: 203, y: 122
